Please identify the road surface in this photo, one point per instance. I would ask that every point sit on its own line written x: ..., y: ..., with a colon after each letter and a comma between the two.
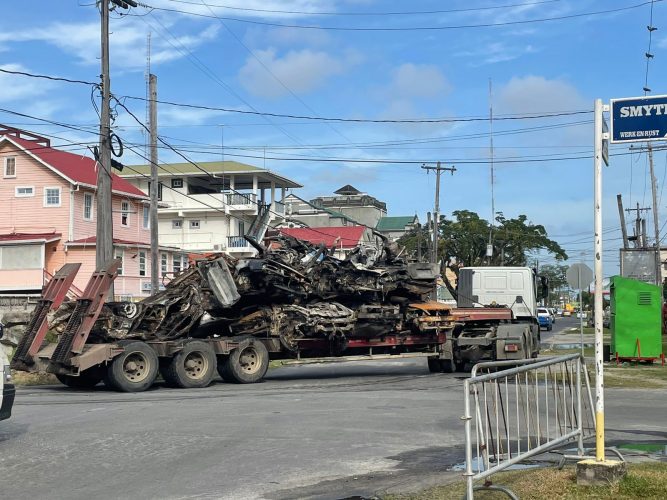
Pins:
x: 323, y: 431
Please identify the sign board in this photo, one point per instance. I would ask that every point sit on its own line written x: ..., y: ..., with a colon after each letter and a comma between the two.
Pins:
x: 638, y: 264
x: 635, y: 119
x: 574, y: 272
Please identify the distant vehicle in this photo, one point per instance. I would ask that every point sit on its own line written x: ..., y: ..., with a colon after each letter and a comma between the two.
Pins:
x: 552, y: 312
x: 544, y: 318
x: 567, y: 313
x: 7, y: 390
x: 559, y: 311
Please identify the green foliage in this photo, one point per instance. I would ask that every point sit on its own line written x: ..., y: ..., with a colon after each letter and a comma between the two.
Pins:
x: 465, y: 237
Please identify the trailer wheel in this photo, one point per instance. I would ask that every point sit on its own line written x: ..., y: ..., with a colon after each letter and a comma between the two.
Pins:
x: 134, y: 370
x: 192, y: 367
x: 434, y: 365
x: 447, y: 365
x: 223, y: 369
x: 460, y: 365
x: 246, y: 364
x: 86, y: 379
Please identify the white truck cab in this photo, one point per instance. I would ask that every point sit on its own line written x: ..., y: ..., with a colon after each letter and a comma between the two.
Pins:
x: 7, y: 390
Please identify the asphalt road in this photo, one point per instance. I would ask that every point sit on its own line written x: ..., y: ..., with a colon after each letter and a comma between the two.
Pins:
x: 324, y: 431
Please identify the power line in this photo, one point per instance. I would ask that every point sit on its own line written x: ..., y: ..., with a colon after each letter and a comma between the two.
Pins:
x: 411, y: 28
x: 395, y: 13
x: 47, y: 77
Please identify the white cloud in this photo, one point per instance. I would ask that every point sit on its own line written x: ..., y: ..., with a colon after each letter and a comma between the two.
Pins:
x: 127, y: 42
x: 172, y: 115
x: 418, y: 81
x: 495, y: 52
x: 265, y: 9
x: 299, y: 70
x: 531, y: 94
x: 16, y: 87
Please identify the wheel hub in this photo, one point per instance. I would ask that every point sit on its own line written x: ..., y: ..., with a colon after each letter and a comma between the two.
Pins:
x: 196, y: 365
x: 135, y: 367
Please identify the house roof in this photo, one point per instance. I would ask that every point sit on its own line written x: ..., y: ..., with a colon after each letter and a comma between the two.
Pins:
x: 350, y: 236
x: 77, y: 169
x: 29, y: 237
x: 395, y: 223
x: 347, y: 189
x: 211, y: 167
x: 92, y: 240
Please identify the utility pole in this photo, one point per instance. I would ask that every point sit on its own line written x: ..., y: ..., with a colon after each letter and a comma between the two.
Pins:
x: 155, y: 268
x: 436, y: 215
x: 656, y: 224
x: 640, y: 241
x: 104, y: 220
x: 624, y: 230
x: 104, y: 234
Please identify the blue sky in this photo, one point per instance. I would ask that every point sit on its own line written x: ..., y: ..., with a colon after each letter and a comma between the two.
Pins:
x: 231, y: 57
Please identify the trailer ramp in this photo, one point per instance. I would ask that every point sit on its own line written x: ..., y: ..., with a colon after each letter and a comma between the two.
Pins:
x: 53, y: 294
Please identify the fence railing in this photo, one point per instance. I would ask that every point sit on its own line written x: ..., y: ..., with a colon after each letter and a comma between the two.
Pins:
x: 244, y: 199
x: 517, y: 409
x: 237, y: 242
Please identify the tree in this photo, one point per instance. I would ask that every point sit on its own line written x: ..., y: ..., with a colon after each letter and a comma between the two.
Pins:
x: 557, y: 280
x: 463, y: 240
x: 417, y: 242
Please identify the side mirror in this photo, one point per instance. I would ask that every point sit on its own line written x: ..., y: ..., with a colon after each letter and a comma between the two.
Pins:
x: 519, y: 299
x: 545, y: 287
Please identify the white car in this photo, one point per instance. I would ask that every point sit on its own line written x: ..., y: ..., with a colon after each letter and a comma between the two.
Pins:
x: 553, y: 314
x: 7, y: 390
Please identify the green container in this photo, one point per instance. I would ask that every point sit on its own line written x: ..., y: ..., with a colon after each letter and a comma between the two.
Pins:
x: 636, y: 328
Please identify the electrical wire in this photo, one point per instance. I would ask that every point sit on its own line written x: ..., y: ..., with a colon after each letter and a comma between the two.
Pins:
x: 410, y: 28
x: 47, y: 77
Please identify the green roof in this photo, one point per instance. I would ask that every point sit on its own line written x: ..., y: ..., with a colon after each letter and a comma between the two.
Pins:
x: 212, y: 167
x: 395, y: 223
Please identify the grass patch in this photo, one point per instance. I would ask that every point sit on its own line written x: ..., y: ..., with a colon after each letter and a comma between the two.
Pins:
x: 25, y: 378
x: 633, y: 376
x: 588, y: 330
x: 646, y: 481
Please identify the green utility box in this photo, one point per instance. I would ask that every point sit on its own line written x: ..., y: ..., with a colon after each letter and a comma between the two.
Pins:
x: 636, y: 328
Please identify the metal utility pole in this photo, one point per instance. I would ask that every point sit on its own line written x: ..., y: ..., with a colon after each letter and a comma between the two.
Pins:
x: 640, y: 234
x: 621, y: 214
x: 489, y: 248
x: 436, y: 215
x: 155, y: 268
x: 104, y: 231
x: 656, y: 225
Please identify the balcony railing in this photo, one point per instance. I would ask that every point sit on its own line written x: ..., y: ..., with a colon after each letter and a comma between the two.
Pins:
x: 237, y: 242
x: 248, y: 200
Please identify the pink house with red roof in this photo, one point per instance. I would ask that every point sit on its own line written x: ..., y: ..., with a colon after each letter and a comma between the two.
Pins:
x: 49, y: 219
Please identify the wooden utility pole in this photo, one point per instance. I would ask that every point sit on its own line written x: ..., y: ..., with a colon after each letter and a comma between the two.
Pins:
x: 621, y: 214
x: 436, y: 216
x: 155, y: 267
x: 656, y: 222
x: 104, y: 231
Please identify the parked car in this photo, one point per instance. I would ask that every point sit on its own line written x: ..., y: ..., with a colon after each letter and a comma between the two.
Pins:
x: 544, y: 318
x: 552, y: 312
x: 559, y: 311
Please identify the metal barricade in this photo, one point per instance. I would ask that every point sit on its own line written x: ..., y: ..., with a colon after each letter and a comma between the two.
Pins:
x: 517, y: 409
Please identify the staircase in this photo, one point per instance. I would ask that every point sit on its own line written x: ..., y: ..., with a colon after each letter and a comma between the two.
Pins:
x: 259, y: 226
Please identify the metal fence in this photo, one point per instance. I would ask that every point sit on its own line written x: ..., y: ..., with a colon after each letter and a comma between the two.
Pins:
x: 517, y: 409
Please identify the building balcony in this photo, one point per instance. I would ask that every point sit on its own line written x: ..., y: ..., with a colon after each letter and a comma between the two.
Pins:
x: 241, y: 201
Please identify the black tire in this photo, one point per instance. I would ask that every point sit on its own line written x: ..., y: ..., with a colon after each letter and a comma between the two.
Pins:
x: 549, y: 328
x: 247, y: 364
x: 434, y: 365
x: 223, y: 369
x: 459, y: 365
x: 134, y: 370
x: 192, y: 367
x: 86, y: 380
x: 447, y: 365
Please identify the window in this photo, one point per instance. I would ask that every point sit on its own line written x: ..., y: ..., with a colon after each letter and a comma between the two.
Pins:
x: 177, y: 183
x: 147, y: 217
x: 142, y: 263
x: 51, y: 196
x: 10, y: 166
x: 241, y: 228
x: 118, y: 254
x: 194, y: 224
x: 177, y: 263
x: 163, y: 263
x: 159, y: 190
x: 24, y: 191
x: 124, y: 213
x: 88, y: 206
x: 176, y: 224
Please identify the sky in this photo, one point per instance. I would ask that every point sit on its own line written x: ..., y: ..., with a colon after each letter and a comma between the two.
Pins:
x: 364, y: 60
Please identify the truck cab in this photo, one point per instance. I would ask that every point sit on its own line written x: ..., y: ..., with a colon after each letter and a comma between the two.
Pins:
x: 7, y: 390
x: 497, y: 312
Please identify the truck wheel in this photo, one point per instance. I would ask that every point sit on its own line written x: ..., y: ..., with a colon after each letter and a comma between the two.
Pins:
x: 246, y: 364
x: 447, y: 365
x: 223, y: 369
x: 191, y: 367
x: 434, y: 365
x: 134, y: 370
x: 86, y: 380
x: 460, y: 365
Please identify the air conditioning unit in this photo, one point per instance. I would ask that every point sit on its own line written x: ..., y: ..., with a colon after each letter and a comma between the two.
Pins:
x: 217, y: 247
x: 146, y: 286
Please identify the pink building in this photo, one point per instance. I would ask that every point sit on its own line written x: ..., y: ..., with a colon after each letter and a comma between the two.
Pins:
x: 49, y: 219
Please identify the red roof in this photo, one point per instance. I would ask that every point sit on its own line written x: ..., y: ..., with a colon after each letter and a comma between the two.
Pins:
x: 17, y: 237
x: 91, y: 240
x: 77, y: 168
x: 349, y: 235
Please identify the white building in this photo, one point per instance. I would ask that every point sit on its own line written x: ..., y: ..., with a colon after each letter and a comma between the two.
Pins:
x: 210, y: 208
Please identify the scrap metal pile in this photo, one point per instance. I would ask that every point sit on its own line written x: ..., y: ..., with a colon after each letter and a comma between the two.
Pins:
x: 291, y: 291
